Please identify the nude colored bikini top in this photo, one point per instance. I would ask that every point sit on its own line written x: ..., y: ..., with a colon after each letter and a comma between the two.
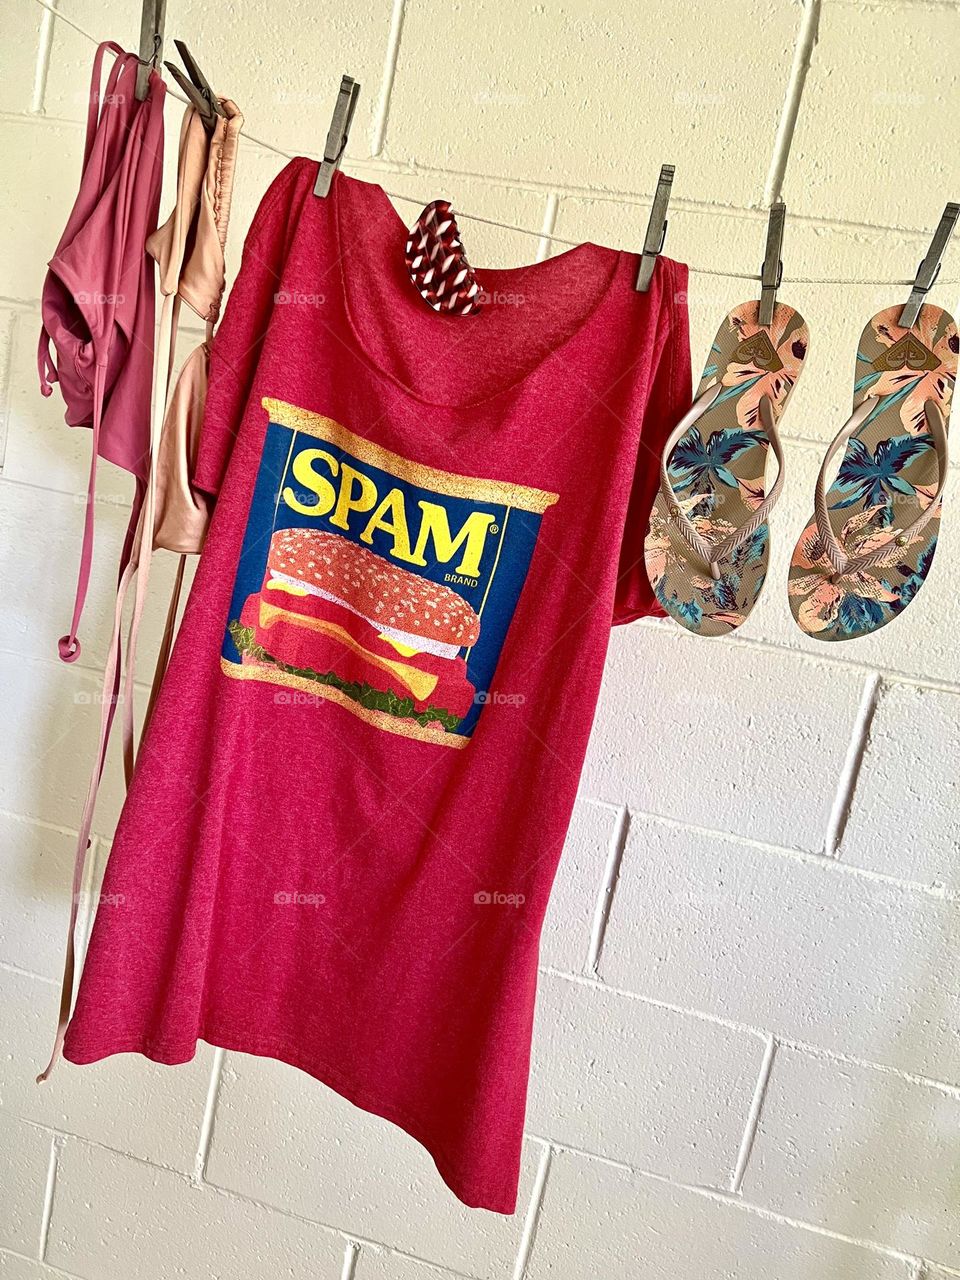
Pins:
x: 189, y: 250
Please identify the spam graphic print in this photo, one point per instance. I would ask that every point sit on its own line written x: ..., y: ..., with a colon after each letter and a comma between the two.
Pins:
x: 374, y: 582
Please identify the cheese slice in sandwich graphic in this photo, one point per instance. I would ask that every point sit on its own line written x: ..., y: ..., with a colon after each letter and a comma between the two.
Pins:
x: 336, y: 611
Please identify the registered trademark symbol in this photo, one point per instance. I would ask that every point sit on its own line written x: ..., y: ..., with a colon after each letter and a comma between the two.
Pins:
x: 494, y: 528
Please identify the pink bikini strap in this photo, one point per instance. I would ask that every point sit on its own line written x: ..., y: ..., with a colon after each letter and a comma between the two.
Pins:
x: 111, y: 682
x: 45, y: 366
x: 69, y: 645
x: 143, y: 553
x: 93, y: 104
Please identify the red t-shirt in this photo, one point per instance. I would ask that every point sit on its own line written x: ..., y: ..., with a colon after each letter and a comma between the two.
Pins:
x: 348, y: 809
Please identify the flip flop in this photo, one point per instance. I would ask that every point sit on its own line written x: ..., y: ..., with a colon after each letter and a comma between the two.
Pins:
x: 870, y: 544
x: 707, y: 548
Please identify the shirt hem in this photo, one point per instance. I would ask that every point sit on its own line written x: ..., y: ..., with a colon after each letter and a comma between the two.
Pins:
x: 172, y: 1057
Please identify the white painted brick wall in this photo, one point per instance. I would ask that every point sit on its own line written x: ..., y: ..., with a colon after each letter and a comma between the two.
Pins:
x: 747, y: 1059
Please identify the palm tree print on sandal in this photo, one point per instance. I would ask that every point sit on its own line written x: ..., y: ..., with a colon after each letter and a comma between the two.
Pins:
x: 870, y: 545
x: 707, y: 548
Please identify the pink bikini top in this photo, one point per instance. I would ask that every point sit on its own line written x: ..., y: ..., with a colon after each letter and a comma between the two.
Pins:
x: 97, y: 303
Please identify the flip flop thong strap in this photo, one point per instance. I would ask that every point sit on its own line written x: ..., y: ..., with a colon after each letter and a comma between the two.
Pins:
x: 841, y: 562
x: 711, y: 553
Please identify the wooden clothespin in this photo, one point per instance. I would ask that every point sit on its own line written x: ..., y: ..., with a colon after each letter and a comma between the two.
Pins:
x: 929, y: 268
x: 152, y: 19
x: 771, y: 273
x: 338, y: 134
x: 656, y: 229
x: 198, y: 89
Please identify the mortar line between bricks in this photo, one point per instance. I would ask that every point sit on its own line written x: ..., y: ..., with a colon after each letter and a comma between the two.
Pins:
x: 851, y: 1060
x: 613, y: 195
x: 46, y: 1215
x: 6, y: 383
x: 48, y: 1266
x: 641, y: 200
x: 804, y: 44
x: 753, y: 1118
x: 42, y: 66
x: 67, y: 1136
x: 188, y: 1180
x: 344, y: 1233
x: 702, y: 1015
x: 890, y: 674
x: 351, y: 1254
x: 607, y: 195
x: 55, y: 827
x: 852, y: 764
x: 87, y: 907
x: 744, y: 1028
x: 67, y: 493
x: 214, y: 1188
x: 529, y: 1233
x: 611, y: 873
x: 737, y: 1203
x: 804, y: 856
x: 209, y: 1114
x: 139, y: 685
x: 711, y: 1193
x: 548, y: 226
x: 18, y: 307
x: 392, y: 53
x: 7, y: 967
x: 902, y: 6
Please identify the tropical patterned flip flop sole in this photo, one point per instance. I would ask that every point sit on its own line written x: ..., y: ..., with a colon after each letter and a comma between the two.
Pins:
x: 890, y: 476
x: 716, y: 471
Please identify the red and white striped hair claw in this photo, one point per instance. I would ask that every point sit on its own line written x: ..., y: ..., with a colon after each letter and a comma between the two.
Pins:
x: 437, y: 263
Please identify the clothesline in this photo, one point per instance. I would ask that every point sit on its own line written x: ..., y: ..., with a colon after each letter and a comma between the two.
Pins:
x: 508, y: 226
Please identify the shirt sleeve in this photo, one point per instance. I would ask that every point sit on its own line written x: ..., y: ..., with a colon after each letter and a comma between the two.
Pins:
x: 669, y: 399
x: 235, y: 352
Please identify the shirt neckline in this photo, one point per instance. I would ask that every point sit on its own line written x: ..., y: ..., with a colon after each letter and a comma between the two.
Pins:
x: 616, y: 287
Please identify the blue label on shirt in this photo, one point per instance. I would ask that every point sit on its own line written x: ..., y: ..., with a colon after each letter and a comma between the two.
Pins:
x: 374, y: 582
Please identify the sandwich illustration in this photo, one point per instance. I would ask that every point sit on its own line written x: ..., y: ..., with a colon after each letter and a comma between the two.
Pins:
x: 339, y: 613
